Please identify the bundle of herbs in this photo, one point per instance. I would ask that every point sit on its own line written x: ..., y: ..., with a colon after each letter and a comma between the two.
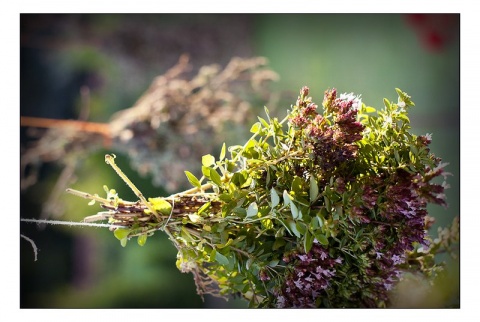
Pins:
x: 315, y: 210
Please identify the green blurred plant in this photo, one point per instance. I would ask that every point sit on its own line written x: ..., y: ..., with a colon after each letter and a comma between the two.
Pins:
x: 315, y: 210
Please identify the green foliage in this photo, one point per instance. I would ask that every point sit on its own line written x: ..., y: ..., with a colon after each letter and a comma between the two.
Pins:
x: 313, y: 210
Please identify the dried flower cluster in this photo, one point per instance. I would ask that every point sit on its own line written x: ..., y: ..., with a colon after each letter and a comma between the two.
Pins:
x: 178, y: 120
x: 316, y: 210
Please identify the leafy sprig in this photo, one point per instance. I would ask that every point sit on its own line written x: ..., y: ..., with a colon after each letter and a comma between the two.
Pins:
x: 315, y: 210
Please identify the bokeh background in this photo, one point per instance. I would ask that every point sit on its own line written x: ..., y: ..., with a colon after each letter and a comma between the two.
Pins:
x: 117, y: 56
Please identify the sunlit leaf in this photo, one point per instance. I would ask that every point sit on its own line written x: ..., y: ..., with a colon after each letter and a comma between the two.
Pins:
x: 294, y: 210
x: 192, y: 179
x: 208, y: 160
x: 252, y: 210
x: 121, y: 233
x: 223, y: 152
x: 274, y: 197
x: 161, y: 205
x: 255, y: 127
x: 215, y: 177
x: 286, y: 198
x: 142, y: 239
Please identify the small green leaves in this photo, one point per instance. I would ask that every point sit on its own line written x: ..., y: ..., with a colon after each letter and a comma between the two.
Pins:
x: 192, y: 179
x: 316, y: 184
x: 122, y: 235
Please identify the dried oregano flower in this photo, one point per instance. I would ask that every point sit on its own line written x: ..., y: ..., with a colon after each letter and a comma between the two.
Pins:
x: 316, y: 210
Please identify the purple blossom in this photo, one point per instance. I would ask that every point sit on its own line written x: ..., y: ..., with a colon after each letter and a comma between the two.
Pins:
x: 397, y: 259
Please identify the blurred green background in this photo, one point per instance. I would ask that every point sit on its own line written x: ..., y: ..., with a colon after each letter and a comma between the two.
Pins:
x: 117, y: 57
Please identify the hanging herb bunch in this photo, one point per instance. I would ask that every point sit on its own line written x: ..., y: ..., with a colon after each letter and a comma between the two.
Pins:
x: 315, y: 210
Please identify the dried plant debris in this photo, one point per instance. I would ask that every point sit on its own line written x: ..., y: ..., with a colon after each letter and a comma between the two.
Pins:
x: 177, y: 120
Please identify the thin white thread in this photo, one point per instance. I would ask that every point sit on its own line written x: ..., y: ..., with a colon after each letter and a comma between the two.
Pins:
x: 69, y: 223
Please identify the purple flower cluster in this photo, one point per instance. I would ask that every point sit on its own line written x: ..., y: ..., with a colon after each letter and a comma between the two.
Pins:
x: 384, y: 209
x: 400, y: 222
x: 331, y: 144
x: 309, y: 279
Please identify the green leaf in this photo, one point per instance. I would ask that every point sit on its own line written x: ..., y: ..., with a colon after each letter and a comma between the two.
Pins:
x: 228, y: 243
x: 255, y: 127
x: 252, y: 210
x: 308, y: 241
x: 273, y: 263
x: 275, y: 198
x: 192, y: 179
x: 265, y: 123
x: 293, y: 227
x: 387, y: 103
x: 286, y: 198
x: 142, y: 239
x: 215, y: 177
x: 121, y: 233
x: 293, y: 210
x: 267, y: 112
x: 213, y: 255
x: 221, y: 259
x: 206, y: 171
x: 301, y: 227
x: 161, y: 205
x: 313, y: 189
x: 223, y: 152
x: 297, y: 186
x: 321, y: 238
x: 208, y: 160
x: 404, y: 97
x: 123, y: 242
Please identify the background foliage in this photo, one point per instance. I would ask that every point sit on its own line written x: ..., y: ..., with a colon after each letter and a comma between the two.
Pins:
x: 117, y: 56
